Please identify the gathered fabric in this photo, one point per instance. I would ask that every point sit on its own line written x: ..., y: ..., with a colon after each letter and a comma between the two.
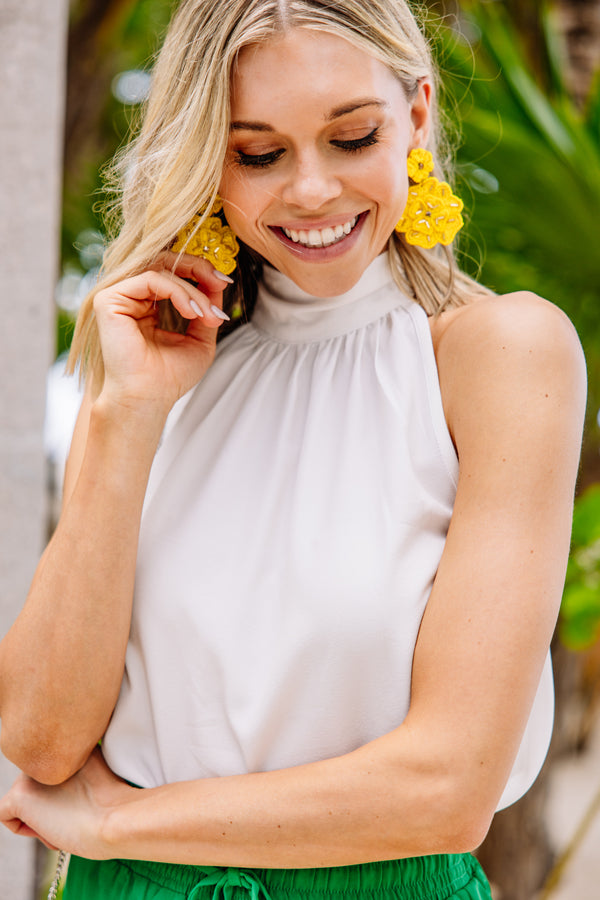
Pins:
x: 225, y: 881
x: 440, y: 877
x: 294, y: 522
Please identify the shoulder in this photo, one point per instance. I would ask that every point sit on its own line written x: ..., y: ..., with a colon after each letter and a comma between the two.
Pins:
x: 501, y: 355
x: 506, y: 324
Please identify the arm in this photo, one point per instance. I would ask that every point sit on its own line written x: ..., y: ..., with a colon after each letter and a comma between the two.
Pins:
x: 513, y: 384
x: 62, y: 661
x: 61, y: 664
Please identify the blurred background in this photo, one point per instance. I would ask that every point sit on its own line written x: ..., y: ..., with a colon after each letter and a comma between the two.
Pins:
x: 522, y: 97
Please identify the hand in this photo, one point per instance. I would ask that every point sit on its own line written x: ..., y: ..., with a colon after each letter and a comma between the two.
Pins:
x: 142, y: 362
x: 68, y: 816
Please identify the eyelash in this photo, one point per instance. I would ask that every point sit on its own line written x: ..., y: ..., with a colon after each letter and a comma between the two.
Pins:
x: 262, y: 160
x: 360, y: 143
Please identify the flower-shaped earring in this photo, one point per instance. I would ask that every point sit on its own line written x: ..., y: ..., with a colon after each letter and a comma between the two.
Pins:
x: 213, y: 240
x: 433, y: 213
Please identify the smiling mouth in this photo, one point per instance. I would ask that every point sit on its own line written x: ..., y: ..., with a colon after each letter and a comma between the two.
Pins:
x: 321, y: 237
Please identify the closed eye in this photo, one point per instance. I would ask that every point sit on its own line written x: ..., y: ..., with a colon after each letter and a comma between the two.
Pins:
x: 358, y: 143
x: 258, y: 160
x: 263, y: 160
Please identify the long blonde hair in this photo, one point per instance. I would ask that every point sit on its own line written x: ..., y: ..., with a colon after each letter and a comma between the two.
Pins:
x: 173, y: 167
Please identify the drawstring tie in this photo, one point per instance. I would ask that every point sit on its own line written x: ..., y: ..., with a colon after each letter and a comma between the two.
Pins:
x: 225, y: 881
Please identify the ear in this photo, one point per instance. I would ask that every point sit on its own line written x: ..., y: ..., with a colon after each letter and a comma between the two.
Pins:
x: 420, y: 114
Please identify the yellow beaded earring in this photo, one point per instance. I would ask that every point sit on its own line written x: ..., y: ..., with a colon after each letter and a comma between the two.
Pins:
x: 213, y: 240
x: 433, y: 213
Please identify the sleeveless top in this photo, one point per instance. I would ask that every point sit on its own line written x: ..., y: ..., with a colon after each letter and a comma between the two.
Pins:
x: 294, y: 520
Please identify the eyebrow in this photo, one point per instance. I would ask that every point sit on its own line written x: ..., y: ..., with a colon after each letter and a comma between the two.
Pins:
x: 335, y: 113
x: 250, y: 126
x: 354, y: 105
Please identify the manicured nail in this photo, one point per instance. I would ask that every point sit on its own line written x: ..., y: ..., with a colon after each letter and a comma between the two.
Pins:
x: 220, y: 314
x: 222, y: 276
x: 196, y: 309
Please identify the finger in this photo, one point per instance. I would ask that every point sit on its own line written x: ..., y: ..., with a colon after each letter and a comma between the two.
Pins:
x: 17, y: 826
x: 10, y: 801
x: 136, y: 297
x: 197, y: 268
x: 205, y: 303
x: 14, y: 825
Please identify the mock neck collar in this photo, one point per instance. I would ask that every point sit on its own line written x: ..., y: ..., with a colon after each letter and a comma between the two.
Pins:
x: 290, y: 314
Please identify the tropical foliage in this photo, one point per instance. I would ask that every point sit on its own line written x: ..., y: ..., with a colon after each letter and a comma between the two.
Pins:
x: 530, y: 160
x: 530, y: 163
x: 580, y: 614
x: 108, y: 43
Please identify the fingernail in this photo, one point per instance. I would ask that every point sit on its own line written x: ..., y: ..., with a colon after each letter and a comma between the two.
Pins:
x: 222, y: 276
x: 196, y: 309
x: 220, y: 314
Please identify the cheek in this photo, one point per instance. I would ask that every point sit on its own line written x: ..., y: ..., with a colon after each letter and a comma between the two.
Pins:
x: 241, y: 202
x: 387, y: 184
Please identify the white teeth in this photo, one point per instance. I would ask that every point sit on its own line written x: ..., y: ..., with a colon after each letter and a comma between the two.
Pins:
x: 323, y: 237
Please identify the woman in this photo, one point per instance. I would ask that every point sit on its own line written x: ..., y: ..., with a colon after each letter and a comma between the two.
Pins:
x: 319, y: 664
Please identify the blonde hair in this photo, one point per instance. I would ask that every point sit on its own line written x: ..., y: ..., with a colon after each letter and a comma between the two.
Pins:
x: 173, y: 167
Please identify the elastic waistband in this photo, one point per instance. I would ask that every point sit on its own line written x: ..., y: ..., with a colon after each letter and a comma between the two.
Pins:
x: 424, y: 877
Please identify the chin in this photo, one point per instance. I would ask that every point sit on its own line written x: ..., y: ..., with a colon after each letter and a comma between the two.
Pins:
x: 325, y: 279
x: 323, y: 284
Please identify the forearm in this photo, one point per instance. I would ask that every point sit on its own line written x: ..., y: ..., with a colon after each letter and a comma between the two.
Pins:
x: 356, y: 808
x: 61, y: 664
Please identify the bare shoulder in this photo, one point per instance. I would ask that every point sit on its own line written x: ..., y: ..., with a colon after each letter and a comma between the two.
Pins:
x: 504, y: 353
x: 509, y: 322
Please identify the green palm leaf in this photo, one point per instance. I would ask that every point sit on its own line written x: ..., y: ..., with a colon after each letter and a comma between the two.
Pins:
x: 530, y: 171
x: 530, y: 167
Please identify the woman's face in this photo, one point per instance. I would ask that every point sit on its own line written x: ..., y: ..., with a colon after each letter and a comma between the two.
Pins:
x: 315, y: 178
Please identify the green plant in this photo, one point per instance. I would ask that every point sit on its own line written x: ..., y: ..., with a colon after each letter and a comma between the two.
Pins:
x: 579, y: 625
x: 107, y: 41
x: 530, y: 166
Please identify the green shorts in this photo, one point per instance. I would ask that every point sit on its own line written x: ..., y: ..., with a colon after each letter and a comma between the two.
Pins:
x: 445, y: 877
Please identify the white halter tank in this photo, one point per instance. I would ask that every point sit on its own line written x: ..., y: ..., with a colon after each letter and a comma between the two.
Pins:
x: 294, y: 521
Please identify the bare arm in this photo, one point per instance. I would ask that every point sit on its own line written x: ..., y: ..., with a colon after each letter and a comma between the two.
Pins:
x: 61, y: 664
x: 513, y: 383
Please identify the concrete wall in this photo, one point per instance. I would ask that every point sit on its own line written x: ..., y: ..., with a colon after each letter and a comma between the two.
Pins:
x: 32, y: 75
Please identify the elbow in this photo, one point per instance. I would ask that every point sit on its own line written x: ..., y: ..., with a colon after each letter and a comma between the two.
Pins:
x: 428, y: 803
x: 44, y: 764
x: 458, y: 831
x: 470, y: 809
x: 466, y: 831
x: 47, y: 761
x: 451, y: 817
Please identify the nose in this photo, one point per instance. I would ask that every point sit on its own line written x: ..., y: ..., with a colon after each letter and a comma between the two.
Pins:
x: 312, y: 182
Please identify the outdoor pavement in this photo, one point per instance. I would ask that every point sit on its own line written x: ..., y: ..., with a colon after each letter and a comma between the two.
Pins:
x: 574, y: 788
